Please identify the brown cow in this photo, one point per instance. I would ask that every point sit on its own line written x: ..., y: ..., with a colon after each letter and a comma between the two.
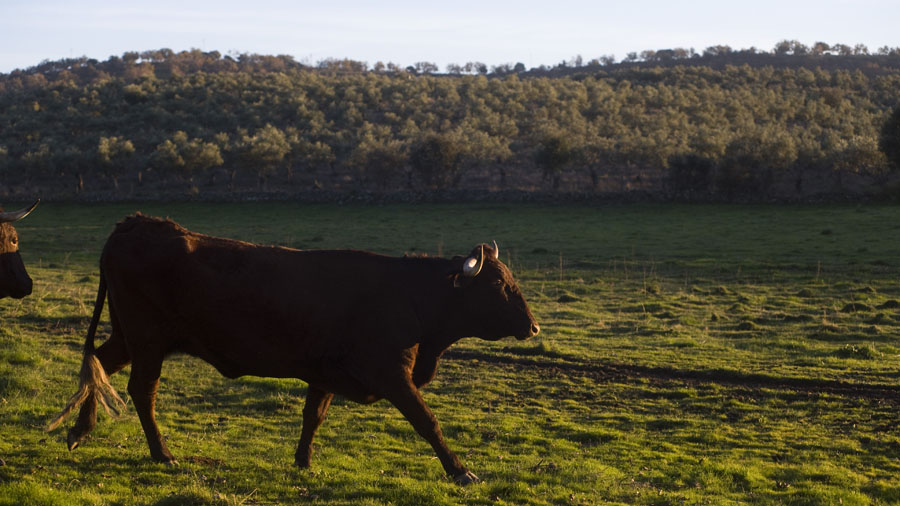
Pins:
x: 352, y: 323
x: 14, y: 280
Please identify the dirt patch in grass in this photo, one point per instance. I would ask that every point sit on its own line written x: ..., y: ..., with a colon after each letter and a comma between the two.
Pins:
x: 855, y: 307
x: 204, y: 461
x: 890, y: 304
x: 618, y: 372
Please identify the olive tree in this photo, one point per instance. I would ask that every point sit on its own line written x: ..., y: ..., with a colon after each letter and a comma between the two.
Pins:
x: 264, y: 151
x: 553, y: 154
x: 437, y: 159
x: 186, y: 157
x: 889, y: 140
x: 114, y: 154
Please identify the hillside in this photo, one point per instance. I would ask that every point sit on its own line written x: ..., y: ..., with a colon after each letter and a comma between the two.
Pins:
x: 731, y: 126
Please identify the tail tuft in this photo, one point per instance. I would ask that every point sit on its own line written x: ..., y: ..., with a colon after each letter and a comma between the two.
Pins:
x: 93, y: 381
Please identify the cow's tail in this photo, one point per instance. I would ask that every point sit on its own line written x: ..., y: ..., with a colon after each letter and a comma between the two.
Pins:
x: 93, y: 381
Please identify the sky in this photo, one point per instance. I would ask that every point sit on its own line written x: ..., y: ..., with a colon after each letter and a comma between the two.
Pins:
x: 535, y: 33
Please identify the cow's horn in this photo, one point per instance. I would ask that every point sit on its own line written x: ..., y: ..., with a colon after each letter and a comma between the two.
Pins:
x: 496, y: 251
x: 18, y: 215
x: 472, y: 266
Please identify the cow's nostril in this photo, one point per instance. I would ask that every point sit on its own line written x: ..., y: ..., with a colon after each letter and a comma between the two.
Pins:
x: 535, y: 329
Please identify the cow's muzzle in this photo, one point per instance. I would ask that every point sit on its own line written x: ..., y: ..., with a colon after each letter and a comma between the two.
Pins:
x: 16, y: 281
x: 22, y: 287
x: 533, y: 331
x: 27, y: 286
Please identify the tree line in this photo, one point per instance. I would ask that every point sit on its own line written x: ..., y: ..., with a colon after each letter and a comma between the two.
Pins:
x: 207, y: 122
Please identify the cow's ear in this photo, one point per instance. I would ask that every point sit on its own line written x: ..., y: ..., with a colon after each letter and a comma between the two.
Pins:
x: 456, y: 277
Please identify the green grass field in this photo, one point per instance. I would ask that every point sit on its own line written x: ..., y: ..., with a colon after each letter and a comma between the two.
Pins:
x: 689, y: 354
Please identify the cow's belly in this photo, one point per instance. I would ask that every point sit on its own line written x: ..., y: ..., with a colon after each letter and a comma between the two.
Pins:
x: 329, y: 374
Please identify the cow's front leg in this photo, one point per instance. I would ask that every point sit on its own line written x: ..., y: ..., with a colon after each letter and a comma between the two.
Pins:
x: 410, y: 402
x: 317, y: 402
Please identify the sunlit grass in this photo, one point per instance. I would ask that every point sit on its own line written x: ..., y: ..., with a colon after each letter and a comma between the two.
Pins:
x: 688, y: 355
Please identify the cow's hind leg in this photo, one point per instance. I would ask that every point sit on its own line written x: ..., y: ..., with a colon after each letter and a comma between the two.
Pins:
x: 142, y: 388
x: 113, y: 356
x: 317, y: 402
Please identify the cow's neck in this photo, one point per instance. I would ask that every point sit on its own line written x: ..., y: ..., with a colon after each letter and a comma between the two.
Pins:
x: 438, y: 308
x: 436, y: 302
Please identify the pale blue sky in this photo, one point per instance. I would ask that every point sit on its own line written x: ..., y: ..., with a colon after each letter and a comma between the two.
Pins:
x: 405, y: 32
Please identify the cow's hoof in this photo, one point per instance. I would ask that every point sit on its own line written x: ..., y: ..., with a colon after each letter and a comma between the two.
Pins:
x: 466, y: 478
x: 72, y: 440
x: 166, y: 460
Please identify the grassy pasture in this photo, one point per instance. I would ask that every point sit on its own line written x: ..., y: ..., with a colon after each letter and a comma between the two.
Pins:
x: 690, y: 354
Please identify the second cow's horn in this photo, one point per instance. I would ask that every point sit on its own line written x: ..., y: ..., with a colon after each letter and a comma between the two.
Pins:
x: 18, y: 215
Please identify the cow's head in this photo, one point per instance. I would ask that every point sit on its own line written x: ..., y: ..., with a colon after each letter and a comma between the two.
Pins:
x: 493, y: 304
x: 14, y: 280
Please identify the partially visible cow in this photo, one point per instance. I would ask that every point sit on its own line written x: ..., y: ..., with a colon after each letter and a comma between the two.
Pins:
x: 14, y: 280
x: 352, y: 323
